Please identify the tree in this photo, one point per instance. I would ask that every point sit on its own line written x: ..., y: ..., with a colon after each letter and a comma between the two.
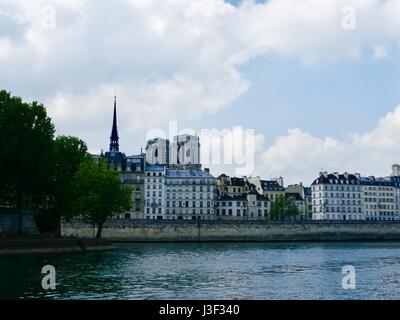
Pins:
x: 97, y: 193
x: 26, y: 152
x: 69, y: 152
x: 283, y: 208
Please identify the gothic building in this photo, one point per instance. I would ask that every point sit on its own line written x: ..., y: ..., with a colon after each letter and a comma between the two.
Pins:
x: 131, y: 169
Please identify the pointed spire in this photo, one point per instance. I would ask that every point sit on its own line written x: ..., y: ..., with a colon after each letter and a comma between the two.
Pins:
x: 114, y: 139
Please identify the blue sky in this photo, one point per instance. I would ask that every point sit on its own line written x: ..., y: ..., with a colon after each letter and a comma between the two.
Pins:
x: 333, y: 99
x: 317, y: 81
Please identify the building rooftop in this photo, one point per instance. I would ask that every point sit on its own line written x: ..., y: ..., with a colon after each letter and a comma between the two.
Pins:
x: 377, y: 181
x: 171, y: 173
x: 271, y: 185
x: 336, y: 178
x: 295, y: 196
x: 155, y: 167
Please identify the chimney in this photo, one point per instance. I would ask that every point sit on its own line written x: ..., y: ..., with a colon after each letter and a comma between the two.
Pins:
x: 336, y: 174
x: 396, y: 170
x: 280, y: 181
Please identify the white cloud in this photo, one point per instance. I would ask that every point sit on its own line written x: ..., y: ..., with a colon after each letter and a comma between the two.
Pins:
x: 169, y: 59
x: 301, y: 156
x: 380, y: 52
x: 384, y: 138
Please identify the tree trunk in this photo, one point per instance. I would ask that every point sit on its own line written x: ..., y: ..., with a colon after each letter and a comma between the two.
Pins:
x: 99, y: 230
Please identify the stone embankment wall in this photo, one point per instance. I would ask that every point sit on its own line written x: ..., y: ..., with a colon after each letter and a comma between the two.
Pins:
x: 146, y: 230
x: 9, y: 223
x: 44, y: 246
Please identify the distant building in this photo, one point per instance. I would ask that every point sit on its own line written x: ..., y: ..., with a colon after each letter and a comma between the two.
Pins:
x: 337, y: 197
x: 308, y: 202
x: 380, y: 198
x: 133, y: 176
x: 190, y: 194
x: 173, y: 194
x: 157, y: 151
x: 303, y: 200
x: 168, y: 183
x: 232, y: 207
x: 259, y: 206
x: 185, y: 150
x: 131, y: 169
x: 247, y: 206
x: 232, y: 186
x: 155, y: 192
x: 299, y: 202
x: 352, y: 197
x: 272, y: 189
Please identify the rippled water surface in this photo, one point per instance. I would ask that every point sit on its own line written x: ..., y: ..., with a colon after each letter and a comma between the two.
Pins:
x: 210, y: 271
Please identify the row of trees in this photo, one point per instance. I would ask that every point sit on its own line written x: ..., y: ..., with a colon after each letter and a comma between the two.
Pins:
x: 53, y: 175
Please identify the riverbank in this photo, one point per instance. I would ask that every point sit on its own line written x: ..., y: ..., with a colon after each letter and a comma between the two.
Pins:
x: 236, y: 231
x: 37, y: 246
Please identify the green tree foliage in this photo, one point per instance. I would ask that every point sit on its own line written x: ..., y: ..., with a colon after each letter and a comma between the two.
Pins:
x: 26, y: 152
x: 284, y: 208
x: 69, y: 152
x: 97, y: 193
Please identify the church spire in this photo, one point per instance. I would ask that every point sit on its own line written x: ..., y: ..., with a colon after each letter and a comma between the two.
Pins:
x: 114, y: 139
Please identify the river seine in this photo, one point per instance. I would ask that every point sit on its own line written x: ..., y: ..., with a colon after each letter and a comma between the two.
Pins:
x: 210, y: 271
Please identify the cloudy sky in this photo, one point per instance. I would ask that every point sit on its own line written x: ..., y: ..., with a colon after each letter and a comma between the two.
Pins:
x: 317, y: 80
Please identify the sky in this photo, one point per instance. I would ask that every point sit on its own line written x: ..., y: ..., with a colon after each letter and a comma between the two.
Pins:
x: 315, y: 81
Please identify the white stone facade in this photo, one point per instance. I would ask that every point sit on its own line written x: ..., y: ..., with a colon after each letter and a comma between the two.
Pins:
x: 352, y: 197
x: 154, y: 192
x: 179, y: 194
x: 250, y: 206
x: 337, y: 197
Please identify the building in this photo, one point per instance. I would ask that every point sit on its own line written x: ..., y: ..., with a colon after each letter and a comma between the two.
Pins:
x: 185, y: 151
x: 131, y: 169
x: 154, y: 207
x: 302, y: 199
x: 157, y: 151
x: 232, y: 186
x: 232, y: 207
x: 308, y: 202
x: 352, y: 197
x: 247, y: 206
x: 338, y: 197
x: 178, y: 194
x: 132, y: 172
x: 380, y: 199
x: 258, y: 205
x: 190, y: 194
x: 299, y: 202
x: 272, y: 189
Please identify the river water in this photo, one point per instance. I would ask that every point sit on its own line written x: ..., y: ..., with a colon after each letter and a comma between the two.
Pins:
x: 210, y: 271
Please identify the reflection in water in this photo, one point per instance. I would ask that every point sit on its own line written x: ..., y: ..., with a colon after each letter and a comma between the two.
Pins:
x: 210, y: 271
